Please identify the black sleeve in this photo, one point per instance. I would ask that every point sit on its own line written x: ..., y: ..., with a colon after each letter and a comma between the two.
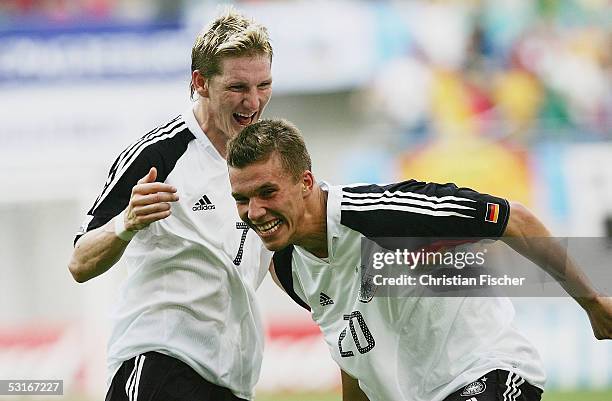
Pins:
x: 282, y: 267
x: 419, y: 209
x: 160, y: 148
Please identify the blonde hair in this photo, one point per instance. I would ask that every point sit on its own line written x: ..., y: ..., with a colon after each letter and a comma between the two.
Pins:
x: 229, y: 35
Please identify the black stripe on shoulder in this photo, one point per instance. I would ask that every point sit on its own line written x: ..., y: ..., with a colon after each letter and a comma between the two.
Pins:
x: 168, y: 151
x: 282, y: 266
x: 128, y: 154
x: 160, y: 151
x: 160, y: 130
x: 422, y: 209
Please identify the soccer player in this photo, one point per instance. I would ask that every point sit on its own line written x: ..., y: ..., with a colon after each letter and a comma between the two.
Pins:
x: 398, y: 348
x: 186, y: 326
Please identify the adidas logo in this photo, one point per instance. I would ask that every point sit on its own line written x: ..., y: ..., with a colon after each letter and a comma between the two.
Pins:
x: 324, y: 299
x: 203, y: 204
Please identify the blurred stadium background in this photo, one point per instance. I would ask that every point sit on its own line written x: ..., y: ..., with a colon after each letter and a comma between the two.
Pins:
x: 511, y: 97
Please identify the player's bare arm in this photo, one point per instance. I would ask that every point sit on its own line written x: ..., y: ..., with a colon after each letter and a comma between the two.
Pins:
x: 98, y: 250
x: 553, y: 258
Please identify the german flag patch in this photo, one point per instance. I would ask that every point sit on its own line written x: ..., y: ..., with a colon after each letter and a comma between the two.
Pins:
x: 492, y: 212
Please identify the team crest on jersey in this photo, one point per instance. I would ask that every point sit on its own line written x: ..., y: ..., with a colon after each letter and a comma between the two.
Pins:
x: 474, y: 388
x: 367, y: 287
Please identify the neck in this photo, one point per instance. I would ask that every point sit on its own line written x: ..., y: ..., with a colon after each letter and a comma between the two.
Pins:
x: 314, y: 223
x: 218, y: 139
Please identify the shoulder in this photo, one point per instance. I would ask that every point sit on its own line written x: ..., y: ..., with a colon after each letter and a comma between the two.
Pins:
x: 408, y: 187
x: 161, y: 148
x: 168, y: 140
x: 421, y: 209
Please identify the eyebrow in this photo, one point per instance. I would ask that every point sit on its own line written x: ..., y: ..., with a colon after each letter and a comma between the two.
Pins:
x: 239, y: 81
x: 264, y: 186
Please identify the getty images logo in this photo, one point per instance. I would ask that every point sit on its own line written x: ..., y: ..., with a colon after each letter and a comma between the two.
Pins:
x: 203, y: 204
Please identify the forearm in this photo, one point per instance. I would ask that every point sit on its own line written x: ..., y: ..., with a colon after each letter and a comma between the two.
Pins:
x: 528, y: 236
x: 96, y: 252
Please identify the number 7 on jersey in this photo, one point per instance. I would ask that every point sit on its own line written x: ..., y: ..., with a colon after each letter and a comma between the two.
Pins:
x: 241, y: 225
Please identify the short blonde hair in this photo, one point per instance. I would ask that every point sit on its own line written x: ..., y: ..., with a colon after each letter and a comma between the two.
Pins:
x: 229, y: 35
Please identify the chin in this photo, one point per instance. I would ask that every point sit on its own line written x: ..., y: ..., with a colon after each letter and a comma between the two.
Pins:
x: 275, y: 245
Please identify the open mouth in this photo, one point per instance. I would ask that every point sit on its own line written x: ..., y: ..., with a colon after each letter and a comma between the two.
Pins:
x: 268, y: 228
x: 244, y: 119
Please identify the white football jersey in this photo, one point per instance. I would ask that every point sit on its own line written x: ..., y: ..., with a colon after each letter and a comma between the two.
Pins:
x: 406, y: 348
x: 189, y: 291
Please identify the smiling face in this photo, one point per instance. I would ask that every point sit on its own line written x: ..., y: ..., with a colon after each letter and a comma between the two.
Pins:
x: 270, y: 200
x: 237, y: 96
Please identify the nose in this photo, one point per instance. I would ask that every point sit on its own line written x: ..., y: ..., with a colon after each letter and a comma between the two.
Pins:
x: 251, y: 99
x: 256, y: 210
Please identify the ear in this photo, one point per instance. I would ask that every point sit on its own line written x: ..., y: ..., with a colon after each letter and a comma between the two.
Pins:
x: 200, y: 83
x: 307, y: 182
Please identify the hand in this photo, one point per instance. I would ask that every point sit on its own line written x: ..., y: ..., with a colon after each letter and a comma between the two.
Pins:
x: 600, y: 315
x: 149, y: 202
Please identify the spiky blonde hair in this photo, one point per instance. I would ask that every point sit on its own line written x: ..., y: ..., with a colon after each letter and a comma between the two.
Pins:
x: 229, y: 35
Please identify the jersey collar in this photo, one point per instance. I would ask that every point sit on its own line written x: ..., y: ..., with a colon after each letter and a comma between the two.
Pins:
x: 334, y: 199
x: 332, y: 229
